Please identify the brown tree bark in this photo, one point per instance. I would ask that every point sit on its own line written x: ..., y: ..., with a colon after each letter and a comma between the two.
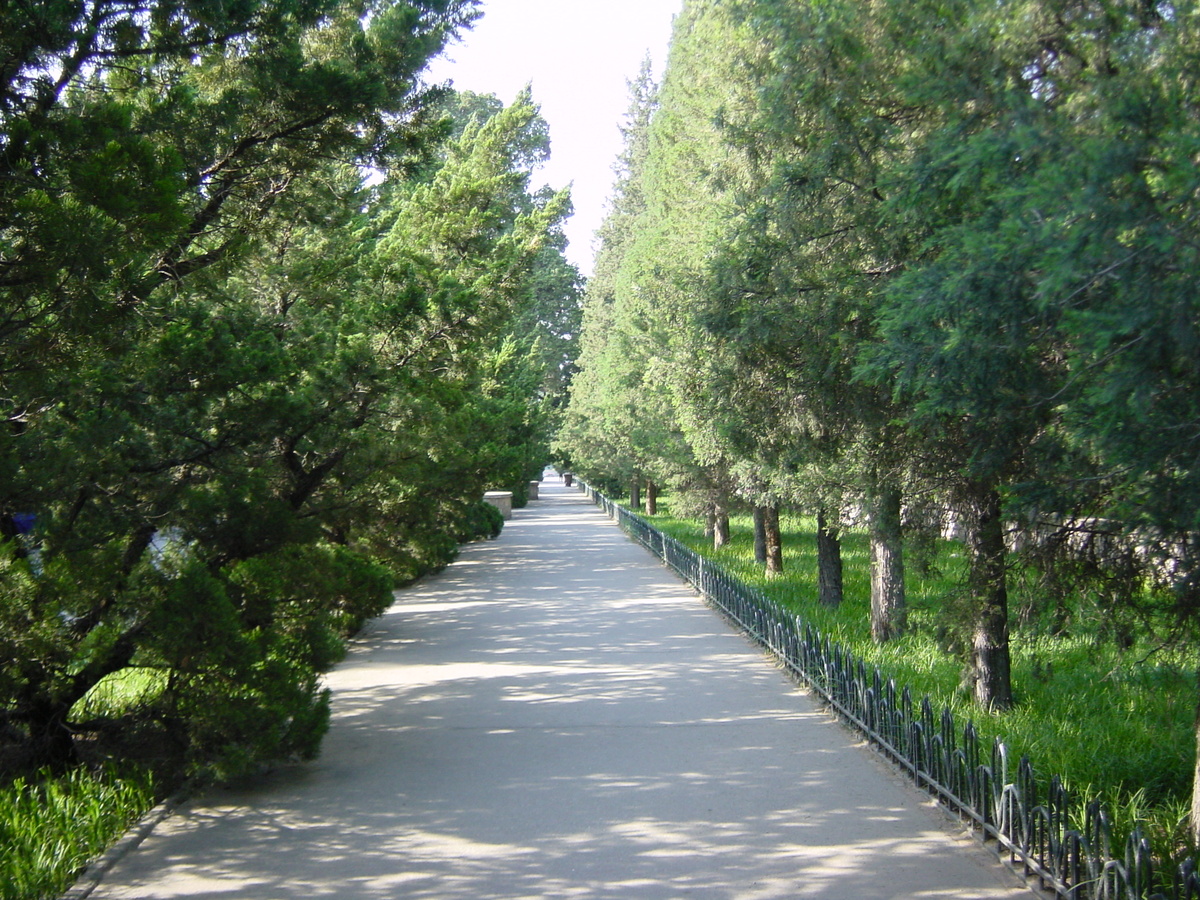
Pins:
x: 635, y: 492
x: 829, y: 561
x: 760, y: 534
x: 991, y: 666
x: 889, y: 612
x: 720, y: 526
x: 774, y: 540
x: 651, y: 498
x: 1195, y: 816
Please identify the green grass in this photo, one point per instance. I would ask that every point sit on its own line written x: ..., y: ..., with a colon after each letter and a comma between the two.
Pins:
x: 1115, y: 724
x: 115, y: 694
x: 50, y: 827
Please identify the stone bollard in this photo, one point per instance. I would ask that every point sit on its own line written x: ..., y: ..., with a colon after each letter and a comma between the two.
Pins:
x: 533, y: 490
x: 502, y: 500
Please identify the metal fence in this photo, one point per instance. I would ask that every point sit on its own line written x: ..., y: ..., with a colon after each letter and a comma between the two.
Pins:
x: 1067, y: 851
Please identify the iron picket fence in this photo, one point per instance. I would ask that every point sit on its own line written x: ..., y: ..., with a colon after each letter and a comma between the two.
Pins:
x: 1003, y: 803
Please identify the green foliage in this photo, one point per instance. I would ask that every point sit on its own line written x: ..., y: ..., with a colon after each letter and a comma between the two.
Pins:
x: 244, y: 391
x: 628, y: 419
x: 121, y: 693
x: 937, y: 249
x: 51, y: 826
x: 480, y: 520
x: 295, y: 585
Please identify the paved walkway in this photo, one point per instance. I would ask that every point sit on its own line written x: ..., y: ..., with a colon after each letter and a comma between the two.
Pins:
x: 557, y: 716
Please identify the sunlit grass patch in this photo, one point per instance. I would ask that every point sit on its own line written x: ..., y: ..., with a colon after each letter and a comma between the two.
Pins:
x: 115, y: 694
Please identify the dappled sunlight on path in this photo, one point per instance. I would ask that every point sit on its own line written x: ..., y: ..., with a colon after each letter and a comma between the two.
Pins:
x: 556, y: 716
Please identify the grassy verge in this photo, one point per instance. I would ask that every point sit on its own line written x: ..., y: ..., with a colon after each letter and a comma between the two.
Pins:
x: 1114, y: 723
x: 50, y: 827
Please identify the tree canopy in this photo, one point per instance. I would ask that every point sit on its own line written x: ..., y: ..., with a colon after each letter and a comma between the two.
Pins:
x: 274, y: 314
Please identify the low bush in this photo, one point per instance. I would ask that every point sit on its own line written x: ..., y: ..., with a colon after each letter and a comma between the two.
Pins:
x: 480, y: 521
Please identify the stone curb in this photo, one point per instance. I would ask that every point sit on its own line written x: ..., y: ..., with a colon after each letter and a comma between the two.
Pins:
x: 126, y: 844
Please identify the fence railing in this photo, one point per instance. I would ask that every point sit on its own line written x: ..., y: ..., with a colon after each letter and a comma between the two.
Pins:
x: 1040, y: 835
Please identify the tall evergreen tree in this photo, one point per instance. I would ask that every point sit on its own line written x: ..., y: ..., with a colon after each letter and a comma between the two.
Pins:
x: 793, y: 285
x: 235, y: 426
x: 598, y: 438
x: 689, y: 183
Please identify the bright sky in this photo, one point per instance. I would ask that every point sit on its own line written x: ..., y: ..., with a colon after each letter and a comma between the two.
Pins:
x: 578, y: 55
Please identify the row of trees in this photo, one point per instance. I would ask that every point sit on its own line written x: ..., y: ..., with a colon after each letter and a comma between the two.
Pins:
x: 273, y: 315
x: 921, y: 264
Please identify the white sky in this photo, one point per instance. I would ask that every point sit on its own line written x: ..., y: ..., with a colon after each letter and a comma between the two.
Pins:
x: 579, y: 56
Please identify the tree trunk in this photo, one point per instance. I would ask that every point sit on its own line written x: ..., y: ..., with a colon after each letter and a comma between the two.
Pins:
x: 651, y: 498
x: 1195, y: 817
x: 774, y: 540
x: 720, y: 526
x: 889, y: 612
x: 829, y: 562
x: 635, y: 492
x: 991, y: 667
x: 51, y: 743
x: 760, y: 534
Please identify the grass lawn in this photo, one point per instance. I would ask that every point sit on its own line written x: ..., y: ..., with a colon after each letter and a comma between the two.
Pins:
x: 53, y: 824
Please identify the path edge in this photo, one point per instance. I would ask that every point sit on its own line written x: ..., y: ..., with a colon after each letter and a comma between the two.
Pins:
x: 93, y: 873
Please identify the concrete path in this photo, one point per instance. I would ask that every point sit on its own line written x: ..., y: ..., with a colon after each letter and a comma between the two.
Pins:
x: 557, y: 716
